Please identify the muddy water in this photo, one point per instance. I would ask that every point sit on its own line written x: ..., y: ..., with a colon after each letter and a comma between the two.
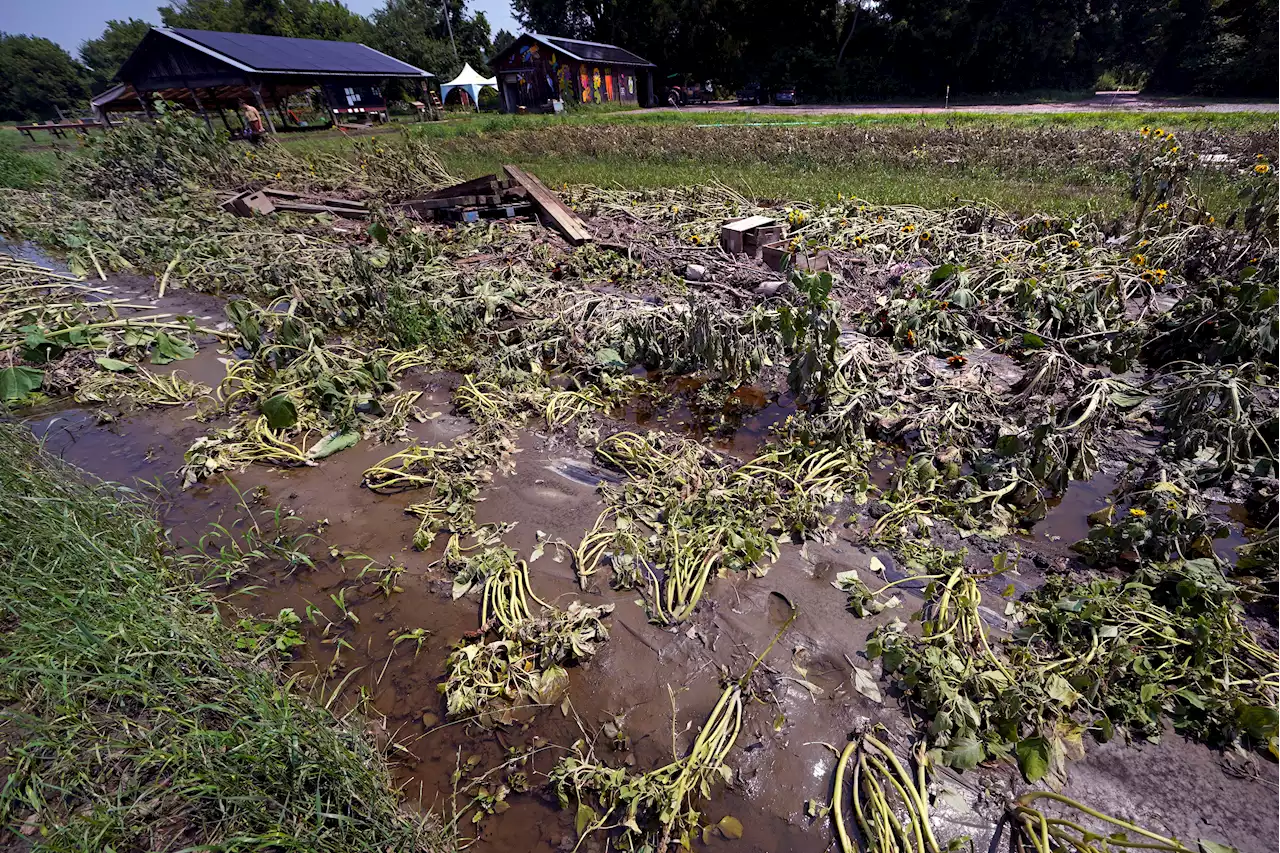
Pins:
x: 657, y: 685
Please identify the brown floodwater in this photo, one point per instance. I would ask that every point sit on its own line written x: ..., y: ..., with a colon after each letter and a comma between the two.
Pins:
x: 657, y: 684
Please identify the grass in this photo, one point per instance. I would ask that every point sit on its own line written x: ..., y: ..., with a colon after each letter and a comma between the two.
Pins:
x: 130, y: 719
x: 880, y: 185
x: 1180, y: 120
x: 20, y: 167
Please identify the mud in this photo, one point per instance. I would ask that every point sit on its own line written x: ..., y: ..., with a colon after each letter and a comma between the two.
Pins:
x: 656, y: 685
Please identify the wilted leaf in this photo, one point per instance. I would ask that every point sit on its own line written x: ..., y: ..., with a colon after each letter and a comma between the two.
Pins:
x: 586, y: 817
x: 730, y: 827
x: 115, y: 365
x: 331, y: 443
x: 865, y: 683
x: 609, y: 357
x: 280, y: 411
x: 1033, y: 758
x: 19, y: 381
x: 963, y: 753
x: 169, y: 348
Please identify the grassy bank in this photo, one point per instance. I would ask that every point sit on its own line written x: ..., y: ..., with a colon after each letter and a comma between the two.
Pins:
x: 130, y: 720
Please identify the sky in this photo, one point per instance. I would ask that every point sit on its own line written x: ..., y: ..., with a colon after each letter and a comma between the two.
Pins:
x: 70, y: 22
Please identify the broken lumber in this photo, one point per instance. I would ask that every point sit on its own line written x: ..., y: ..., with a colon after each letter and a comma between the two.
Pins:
x: 562, y: 218
x: 733, y: 234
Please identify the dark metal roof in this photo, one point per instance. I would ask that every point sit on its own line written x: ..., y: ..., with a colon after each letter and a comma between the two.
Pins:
x: 589, y: 51
x: 280, y: 55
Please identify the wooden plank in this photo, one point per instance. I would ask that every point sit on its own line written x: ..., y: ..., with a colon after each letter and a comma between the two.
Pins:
x: 487, y: 185
x: 303, y: 207
x: 744, y: 225
x: 564, y: 219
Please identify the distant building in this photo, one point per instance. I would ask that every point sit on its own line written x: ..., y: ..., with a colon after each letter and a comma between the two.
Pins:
x: 211, y: 72
x: 537, y: 69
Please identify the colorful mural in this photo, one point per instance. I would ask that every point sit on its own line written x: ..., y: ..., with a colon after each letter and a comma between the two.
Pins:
x: 631, y: 84
x: 585, y: 80
x: 608, y: 84
x: 595, y: 85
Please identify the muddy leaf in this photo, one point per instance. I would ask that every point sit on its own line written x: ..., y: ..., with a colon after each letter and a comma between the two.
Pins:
x: 280, y: 411
x: 332, y: 443
x: 1207, y: 846
x: 1033, y: 758
x: 17, y: 382
x: 730, y: 827
x: 115, y: 365
x: 876, y: 565
x: 865, y: 683
x: 963, y: 753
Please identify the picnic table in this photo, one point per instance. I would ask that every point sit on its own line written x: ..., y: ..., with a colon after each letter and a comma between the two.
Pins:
x: 59, y: 128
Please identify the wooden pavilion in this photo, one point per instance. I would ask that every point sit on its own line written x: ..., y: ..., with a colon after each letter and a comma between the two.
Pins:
x: 211, y: 71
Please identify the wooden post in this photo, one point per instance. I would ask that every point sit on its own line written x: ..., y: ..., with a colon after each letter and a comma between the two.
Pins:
x: 262, y: 108
x: 146, y: 108
x: 200, y: 108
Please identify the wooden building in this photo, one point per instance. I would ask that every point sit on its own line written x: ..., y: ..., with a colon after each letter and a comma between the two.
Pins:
x: 210, y: 71
x: 536, y: 70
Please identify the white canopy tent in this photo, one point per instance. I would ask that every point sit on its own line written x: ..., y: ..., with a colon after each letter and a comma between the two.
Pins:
x: 469, y: 81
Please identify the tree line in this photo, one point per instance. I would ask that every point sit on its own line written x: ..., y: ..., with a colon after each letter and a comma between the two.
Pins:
x: 850, y: 49
x: 36, y: 74
x: 837, y: 49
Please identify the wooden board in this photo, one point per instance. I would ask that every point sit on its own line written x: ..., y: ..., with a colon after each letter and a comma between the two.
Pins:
x: 487, y: 185
x: 734, y: 235
x: 564, y: 219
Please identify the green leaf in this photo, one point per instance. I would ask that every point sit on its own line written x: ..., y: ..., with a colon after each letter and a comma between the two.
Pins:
x: 280, y: 411
x: 1031, y: 340
x: 379, y: 232
x: 730, y: 827
x: 586, y: 817
x: 169, y: 348
x: 19, y: 381
x: 609, y: 357
x: 39, y: 348
x: 1033, y: 758
x: 963, y: 753
x: 332, y: 443
x: 115, y: 365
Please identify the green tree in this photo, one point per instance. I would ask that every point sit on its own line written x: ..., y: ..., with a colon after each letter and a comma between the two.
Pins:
x: 414, y: 31
x: 104, y: 55
x: 319, y: 19
x: 36, y: 76
x: 502, y: 41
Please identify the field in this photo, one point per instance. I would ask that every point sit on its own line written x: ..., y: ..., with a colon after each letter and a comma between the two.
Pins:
x: 967, y: 537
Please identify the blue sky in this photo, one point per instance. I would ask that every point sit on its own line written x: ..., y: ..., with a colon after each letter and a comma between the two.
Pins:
x: 69, y: 22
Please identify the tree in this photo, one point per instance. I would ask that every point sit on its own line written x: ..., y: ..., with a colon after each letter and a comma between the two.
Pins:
x: 105, y: 54
x: 501, y: 42
x: 36, y: 76
x: 414, y: 31
x: 318, y: 19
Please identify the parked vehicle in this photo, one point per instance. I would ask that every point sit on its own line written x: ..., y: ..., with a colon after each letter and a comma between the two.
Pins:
x: 752, y: 94
x: 786, y: 96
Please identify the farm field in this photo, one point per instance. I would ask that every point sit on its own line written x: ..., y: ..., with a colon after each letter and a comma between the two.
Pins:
x: 463, y: 535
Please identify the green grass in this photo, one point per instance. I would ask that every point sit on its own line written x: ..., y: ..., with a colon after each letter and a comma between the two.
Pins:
x: 880, y: 185
x: 487, y: 123
x: 21, y: 168
x: 130, y: 718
